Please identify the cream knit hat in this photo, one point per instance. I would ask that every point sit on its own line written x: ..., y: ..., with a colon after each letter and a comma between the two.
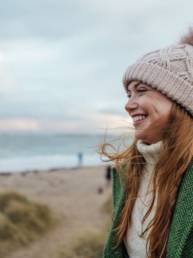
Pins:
x: 169, y: 70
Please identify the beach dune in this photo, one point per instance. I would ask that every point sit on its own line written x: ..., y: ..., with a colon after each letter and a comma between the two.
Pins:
x: 74, y: 197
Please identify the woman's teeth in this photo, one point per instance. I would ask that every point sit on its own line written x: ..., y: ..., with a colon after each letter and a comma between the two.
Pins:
x: 138, y: 118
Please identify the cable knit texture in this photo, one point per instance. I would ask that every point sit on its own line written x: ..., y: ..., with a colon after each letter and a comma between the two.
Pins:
x: 169, y: 70
x: 135, y: 245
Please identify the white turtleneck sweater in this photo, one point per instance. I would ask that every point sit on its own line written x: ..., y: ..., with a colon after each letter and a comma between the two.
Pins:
x: 135, y: 245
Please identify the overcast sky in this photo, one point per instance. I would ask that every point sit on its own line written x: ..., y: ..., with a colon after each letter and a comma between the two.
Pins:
x: 62, y: 61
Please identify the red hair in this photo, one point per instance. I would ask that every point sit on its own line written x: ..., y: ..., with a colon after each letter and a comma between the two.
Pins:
x: 172, y: 164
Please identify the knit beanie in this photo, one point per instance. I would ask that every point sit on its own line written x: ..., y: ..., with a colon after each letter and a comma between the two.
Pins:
x: 169, y: 70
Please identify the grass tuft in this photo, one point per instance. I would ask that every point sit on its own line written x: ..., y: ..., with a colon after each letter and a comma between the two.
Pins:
x: 88, y: 246
x: 21, y: 221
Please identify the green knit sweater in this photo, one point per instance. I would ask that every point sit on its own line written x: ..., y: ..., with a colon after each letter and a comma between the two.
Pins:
x: 180, y: 241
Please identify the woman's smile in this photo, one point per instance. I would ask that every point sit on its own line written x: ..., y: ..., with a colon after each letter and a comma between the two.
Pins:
x: 139, y: 119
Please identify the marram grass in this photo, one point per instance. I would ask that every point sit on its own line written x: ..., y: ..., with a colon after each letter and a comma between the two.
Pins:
x: 88, y: 246
x: 21, y: 221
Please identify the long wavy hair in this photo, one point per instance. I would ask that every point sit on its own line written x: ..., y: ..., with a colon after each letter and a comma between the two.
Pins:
x: 172, y: 164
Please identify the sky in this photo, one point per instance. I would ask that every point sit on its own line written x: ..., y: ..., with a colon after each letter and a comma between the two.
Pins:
x: 62, y: 61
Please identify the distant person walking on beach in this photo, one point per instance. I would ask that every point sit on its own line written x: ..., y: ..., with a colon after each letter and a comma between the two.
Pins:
x: 108, y: 172
x: 153, y: 180
x: 80, y: 159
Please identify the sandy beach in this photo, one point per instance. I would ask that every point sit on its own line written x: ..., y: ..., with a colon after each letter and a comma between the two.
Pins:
x: 72, y: 194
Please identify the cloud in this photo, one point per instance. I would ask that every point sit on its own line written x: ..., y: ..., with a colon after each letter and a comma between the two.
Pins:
x: 61, y: 62
x: 45, y: 18
x: 19, y: 124
x: 95, y: 123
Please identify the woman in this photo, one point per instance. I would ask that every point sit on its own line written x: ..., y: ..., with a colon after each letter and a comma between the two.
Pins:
x: 153, y: 181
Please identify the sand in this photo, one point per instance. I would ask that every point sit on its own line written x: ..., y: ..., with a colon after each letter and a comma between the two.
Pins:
x: 72, y: 194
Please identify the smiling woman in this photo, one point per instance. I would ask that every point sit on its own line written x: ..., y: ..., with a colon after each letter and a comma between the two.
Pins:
x: 153, y: 179
x: 150, y: 118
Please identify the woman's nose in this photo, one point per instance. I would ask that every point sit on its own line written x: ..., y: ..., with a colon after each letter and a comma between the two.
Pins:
x: 131, y: 105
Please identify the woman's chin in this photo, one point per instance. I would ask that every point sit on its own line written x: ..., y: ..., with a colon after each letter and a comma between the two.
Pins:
x: 147, y: 140
x: 144, y: 138
x: 140, y: 136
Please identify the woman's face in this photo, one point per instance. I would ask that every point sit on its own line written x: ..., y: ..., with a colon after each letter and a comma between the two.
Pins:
x: 149, y: 110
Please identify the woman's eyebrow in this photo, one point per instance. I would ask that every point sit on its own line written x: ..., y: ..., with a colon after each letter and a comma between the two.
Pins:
x: 135, y: 86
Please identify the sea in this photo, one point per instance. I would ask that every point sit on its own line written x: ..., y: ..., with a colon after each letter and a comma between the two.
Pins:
x: 43, y: 151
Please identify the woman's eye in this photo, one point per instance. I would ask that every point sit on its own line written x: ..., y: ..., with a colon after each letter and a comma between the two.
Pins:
x: 141, y: 90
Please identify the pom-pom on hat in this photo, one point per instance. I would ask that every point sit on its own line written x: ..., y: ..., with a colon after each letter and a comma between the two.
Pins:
x: 169, y: 70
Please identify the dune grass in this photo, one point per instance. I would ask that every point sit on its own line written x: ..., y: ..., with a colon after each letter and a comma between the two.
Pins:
x: 21, y: 221
x: 88, y: 246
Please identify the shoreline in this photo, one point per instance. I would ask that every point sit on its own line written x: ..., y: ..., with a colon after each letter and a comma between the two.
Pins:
x: 50, y: 170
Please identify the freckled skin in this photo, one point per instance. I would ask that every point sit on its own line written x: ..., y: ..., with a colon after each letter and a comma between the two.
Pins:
x: 145, y: 99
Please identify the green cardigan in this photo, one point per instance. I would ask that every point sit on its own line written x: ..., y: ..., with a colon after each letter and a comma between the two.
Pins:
x: 180, y: 241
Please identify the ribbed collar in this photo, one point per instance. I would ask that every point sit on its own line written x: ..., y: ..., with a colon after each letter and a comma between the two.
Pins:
x: 150, y: 152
